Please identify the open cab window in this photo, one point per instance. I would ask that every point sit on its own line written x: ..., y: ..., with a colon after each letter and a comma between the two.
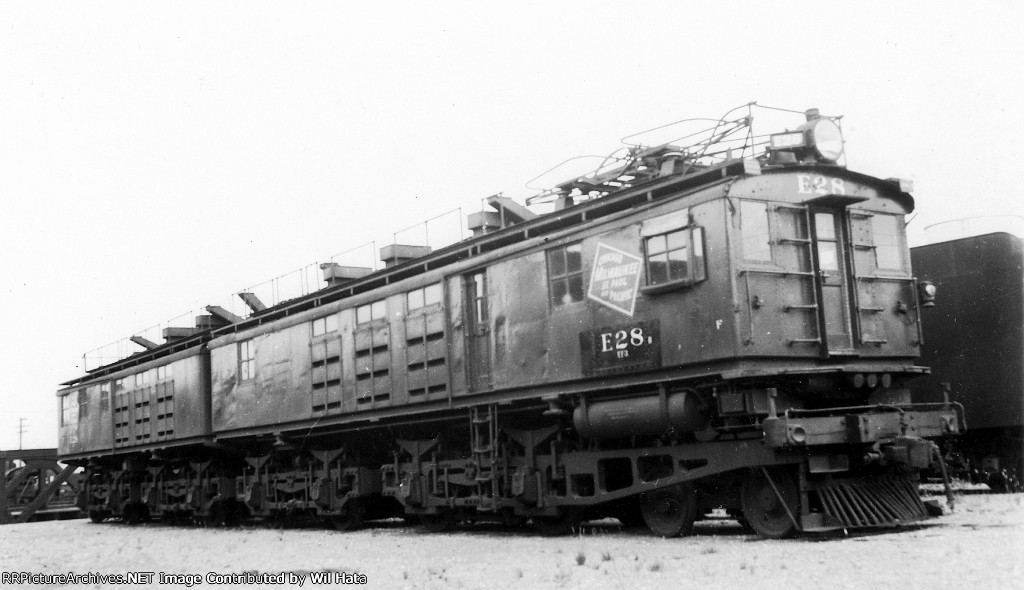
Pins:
x: 673, y: 252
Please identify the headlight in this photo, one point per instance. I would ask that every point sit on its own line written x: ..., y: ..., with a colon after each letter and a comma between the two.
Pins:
x: 826, y: 138
x: 818, y: 140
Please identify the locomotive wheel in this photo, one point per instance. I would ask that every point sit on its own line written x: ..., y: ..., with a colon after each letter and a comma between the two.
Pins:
x: 350, y: 518
x: 233, y: 513
x: 134, y: 514
x: 554, y: 526
x: 510, y: 519
x: 629, y: 514
x: 441, y: 522
x: 670, y: 512
x: 763, y: 509
x: 217, y: 516
x: 239, y: 513
x: 738, y: 515
x: 282, y: 519
x: 223, y: 513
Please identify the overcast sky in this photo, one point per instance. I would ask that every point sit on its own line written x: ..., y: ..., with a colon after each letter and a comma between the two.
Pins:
x: 158, y: 158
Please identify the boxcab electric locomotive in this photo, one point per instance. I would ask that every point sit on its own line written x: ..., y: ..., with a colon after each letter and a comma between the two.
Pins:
x: 682, y: 333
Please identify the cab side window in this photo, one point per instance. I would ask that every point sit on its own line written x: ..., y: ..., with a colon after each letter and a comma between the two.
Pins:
x: 673, y: 249
x: 565, y: 274
x: 888, y: 246
x: 754, y: 231
x: 69, y: 408
x: 675, y: 257
x: 246, y: 360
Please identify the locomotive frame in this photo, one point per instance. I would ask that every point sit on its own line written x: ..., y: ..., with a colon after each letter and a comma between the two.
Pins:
x: 735, y: 334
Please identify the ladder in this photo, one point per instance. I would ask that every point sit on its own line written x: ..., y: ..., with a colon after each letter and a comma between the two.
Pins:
x: 484, y: 443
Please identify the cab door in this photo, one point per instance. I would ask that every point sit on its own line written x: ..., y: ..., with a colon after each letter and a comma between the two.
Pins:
x: 830, y: 244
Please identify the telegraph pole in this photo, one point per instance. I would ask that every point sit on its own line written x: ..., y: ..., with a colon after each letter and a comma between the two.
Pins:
x: 21, y: 430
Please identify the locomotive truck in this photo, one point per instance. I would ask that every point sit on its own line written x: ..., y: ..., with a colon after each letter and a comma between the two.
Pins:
x: 701, y: 326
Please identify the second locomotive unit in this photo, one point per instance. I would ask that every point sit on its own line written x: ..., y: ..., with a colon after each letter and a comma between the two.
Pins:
x: 696, y: 328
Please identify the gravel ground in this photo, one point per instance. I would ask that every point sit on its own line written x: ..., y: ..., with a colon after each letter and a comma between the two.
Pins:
x: 980, y: 544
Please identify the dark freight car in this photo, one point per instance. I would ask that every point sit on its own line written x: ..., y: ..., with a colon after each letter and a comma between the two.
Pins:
x: 974, y: 342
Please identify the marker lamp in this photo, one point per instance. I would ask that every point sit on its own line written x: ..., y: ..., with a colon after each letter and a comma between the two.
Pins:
x: 926, y: 292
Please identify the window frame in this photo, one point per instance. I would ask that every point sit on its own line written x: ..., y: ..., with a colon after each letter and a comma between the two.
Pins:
x: 323, y: 326
x: 566, y: 276
x: 371, y: 308
x: 899, y: 246
x: 770, y: 233
x: 246, y: 360
x: 66, y: 408
x: 421, y: 293
x: 164, y: 372
x: 696, y: 266
x: 83, y: 404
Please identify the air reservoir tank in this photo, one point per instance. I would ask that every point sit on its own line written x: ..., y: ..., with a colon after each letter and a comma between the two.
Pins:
x: 650, y: 415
